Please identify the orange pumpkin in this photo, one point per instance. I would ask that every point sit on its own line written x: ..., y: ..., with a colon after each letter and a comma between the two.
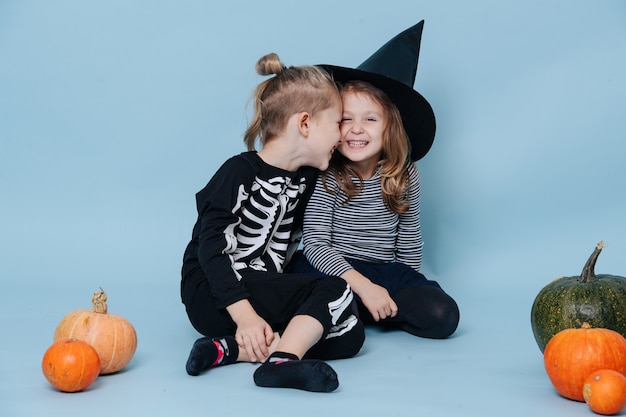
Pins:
x: 572, y: 354
x: 605, y: 391
x: 70, y: 365
x: 113, y: 337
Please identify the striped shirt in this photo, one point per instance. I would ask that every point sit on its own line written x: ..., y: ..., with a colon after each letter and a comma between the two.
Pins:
x: 363, y: 229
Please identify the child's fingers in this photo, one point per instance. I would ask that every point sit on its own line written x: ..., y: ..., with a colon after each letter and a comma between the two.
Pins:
x: 269, y: 335
x: 394, y: 309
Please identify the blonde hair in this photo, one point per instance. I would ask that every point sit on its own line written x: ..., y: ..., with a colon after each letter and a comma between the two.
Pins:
x: 395, y: 158
x: 292, y: 90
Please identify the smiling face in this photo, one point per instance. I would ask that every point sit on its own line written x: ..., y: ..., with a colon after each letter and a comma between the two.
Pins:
x: 362, y: 126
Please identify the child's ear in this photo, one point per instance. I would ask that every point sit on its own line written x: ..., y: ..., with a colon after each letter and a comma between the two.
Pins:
x: 304, y: 123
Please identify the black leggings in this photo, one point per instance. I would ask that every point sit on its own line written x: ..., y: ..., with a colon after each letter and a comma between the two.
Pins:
x: 424, y: 309
x: 277, y: 298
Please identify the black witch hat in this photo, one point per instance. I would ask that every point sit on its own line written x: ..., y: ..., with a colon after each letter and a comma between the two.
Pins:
x: 392, y: 68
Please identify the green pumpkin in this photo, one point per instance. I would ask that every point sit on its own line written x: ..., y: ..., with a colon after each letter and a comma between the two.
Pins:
x: 568, y: 302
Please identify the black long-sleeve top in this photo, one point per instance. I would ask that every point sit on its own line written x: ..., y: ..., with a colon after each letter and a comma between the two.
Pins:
x: 249, y: 216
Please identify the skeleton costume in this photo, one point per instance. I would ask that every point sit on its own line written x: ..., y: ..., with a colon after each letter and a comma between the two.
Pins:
x: 248, y: 227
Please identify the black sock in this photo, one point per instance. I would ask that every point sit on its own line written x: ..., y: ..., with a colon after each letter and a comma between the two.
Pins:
x: 284, y: 370
x: 209, y: 352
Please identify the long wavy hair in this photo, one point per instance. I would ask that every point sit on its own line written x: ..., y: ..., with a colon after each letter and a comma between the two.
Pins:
x: 395, y: 157
x: 292, y: 90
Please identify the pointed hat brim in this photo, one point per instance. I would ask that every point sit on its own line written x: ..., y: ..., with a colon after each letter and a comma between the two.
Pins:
x: 392, y: 69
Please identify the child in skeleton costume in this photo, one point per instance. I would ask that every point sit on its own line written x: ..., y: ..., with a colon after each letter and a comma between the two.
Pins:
x: 248, y: 227
x: 362, y: 222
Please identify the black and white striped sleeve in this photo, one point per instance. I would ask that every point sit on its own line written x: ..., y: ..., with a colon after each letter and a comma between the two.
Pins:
x: 317, y: 231
x: 409, y: 242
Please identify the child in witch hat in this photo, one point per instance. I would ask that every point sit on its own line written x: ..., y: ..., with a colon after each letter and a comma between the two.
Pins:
x: 249, y: 223
x: 362, y: 222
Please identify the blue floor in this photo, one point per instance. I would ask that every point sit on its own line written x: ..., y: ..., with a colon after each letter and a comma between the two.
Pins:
x: 490, y: 367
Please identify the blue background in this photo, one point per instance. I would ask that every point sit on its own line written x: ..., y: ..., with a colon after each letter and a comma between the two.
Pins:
x: 113, y: 114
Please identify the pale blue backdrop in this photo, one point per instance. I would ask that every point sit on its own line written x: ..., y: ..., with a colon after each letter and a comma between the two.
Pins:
x: 113, y: 114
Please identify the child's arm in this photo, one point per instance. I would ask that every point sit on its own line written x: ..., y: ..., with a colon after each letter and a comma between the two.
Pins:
x: 217, y: 241
x: 317, y: 237
x: 374, y: 297
x: 216, y: 230
x: 317, y: 233
x: 409, y: 241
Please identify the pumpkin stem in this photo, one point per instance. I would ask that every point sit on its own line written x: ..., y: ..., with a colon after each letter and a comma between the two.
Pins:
x: 99, y: 301
x: 588, y: 274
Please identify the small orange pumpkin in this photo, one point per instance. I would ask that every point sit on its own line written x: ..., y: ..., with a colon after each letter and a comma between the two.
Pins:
x: 605, y: 391
x: 113, y: 337
x: 70, y: 365
x: 572, y: 354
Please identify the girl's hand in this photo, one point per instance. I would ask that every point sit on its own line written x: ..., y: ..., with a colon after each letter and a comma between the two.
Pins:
x: 374, y: 297
x: 378, y: 302
x: 253, y: 333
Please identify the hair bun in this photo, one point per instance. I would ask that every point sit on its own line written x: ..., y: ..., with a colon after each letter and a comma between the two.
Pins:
x: 270, y: 64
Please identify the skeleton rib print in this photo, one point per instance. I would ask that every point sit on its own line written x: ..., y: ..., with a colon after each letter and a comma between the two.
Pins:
x: 263, y: 233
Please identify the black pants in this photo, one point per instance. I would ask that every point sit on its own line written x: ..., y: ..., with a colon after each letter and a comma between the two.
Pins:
x: 424, y: 309
x: 277, y: 298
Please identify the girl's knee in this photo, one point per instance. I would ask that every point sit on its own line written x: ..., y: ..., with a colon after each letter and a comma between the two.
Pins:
x: 446, y: 319
x: 450, y: 322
